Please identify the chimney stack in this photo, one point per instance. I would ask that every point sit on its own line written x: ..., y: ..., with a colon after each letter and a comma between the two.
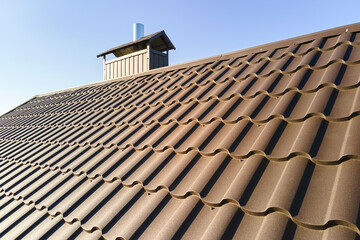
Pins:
x: 138, y: 31
x: 144, y: 53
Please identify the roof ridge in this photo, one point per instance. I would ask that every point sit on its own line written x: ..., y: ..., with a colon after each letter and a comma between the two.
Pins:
x: 250, y: 50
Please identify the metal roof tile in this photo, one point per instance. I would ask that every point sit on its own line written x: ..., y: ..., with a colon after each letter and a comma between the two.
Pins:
x: 259, y: 143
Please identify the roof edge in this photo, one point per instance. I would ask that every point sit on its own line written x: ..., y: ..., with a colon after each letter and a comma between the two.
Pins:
x: 157, y: 70
x: 299, y: 39
x: 14, y: 108
x: 264, y: 47
x: 81, y: 86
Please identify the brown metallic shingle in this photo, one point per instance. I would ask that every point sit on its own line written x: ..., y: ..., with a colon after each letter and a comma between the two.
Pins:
x: 257, y: 144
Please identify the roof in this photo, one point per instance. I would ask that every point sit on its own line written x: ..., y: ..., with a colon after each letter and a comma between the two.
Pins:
x: 262, y: 143
x: 160, y: 41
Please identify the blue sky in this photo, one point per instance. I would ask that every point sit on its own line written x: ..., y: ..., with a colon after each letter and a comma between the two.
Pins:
x: 51, y: 45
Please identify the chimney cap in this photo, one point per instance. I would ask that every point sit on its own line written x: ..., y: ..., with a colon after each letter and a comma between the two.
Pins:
x: 159, y: 41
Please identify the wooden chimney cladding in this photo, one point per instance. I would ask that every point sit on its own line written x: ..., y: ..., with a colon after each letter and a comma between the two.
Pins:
x: 139, y: 56
x: 134, y: 63
x: 127, y: 65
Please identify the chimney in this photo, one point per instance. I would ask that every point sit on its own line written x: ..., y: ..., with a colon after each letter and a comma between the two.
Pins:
x: 138, y: 56
x: 138, y: 31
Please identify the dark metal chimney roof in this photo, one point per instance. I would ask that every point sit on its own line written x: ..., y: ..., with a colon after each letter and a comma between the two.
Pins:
x: 159, y: 41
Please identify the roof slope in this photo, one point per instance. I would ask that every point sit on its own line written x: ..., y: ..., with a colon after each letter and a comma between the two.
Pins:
x: 262, y: 143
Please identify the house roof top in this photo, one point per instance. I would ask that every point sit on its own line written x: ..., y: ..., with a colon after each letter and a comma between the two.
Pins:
x: 159, y: 41
x: 260, y: 143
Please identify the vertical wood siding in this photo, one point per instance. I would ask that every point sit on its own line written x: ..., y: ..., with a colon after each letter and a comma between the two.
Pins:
x: 134, y: 63
x: 127, y: 65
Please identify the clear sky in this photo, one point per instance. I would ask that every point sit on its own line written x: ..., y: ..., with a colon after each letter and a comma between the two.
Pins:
x: 48, y: 45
